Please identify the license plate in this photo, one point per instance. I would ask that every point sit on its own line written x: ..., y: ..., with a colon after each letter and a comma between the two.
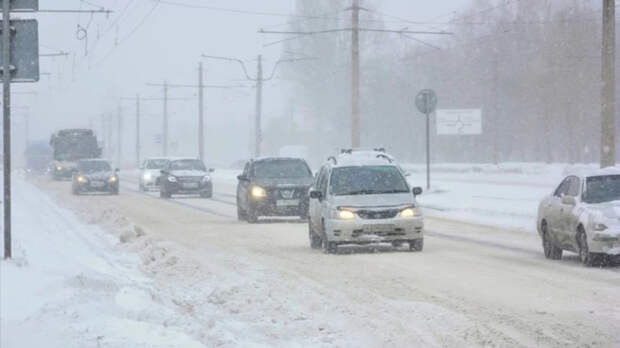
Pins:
x: 190, y: 185
x: 287, y: 202
x: 378, y: 228
x: 96, y: 184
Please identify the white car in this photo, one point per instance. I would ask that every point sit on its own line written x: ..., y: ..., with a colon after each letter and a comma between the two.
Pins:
x: 583, y: 215
x: 362, y: 200
x: 150, y: 172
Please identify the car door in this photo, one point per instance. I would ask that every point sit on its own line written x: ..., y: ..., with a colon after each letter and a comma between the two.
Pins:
x: 552, y: 211
x: 315, y: 204
x: 324, y: 204
x: 242, y: 187
x: 568, y: 215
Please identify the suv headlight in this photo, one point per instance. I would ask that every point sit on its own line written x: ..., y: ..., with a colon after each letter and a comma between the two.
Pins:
x: 258, y: 192
x: 600, y: 226
x: 172, y: 179
x: 409, y: 212
x: 112, y: 179
x: 147, y: 176
x: 206, y: 178
x: 343, y: 214
x: 81, y: 179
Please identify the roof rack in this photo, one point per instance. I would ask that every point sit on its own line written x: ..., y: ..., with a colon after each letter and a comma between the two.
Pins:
x: 351, y: 150
x: 382, y: 155
x: 333, y: 159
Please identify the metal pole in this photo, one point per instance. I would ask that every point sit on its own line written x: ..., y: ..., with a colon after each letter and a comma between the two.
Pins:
x: 259, y: 96
x: 355, y: 76
x: 165, y: 126
x: 119, y: 135
x: 428, y: 152
x: 6, y: 129
x: 137, y: 130
x: 201, y: 139
x: 608, y: 86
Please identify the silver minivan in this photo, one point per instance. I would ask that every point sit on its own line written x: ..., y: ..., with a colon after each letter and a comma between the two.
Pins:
x: 362, y: 199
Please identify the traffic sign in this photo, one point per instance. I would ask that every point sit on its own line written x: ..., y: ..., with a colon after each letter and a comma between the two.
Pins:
x: 24, y: 51
x: 459, y: 122
x: 24, y: 5
x: 426, y: 101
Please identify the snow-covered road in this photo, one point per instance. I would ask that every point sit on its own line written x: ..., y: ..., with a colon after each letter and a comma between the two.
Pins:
x: 473, y: 285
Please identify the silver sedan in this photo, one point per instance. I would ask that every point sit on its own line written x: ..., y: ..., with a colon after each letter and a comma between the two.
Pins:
x: 583, y: 215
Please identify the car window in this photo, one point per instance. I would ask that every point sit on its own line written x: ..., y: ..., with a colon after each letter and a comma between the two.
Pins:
x: 281, y: 168
x: 323, y: 181
x: 188, y: 164
x: 94, y: 166
x: 574, y: 185
x: 362, y: 180
x: 600, y: 189
x: 156, y: 164
x: 562, y: 190
x: 246, y: 168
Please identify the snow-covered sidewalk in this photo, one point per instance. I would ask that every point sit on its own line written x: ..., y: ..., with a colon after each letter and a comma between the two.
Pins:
x: 69, y: 285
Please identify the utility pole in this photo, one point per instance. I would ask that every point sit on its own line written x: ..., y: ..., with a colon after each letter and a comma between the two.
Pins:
x: 6, y: 129
x: 259, y: 107
x: 201, y: 127
x: 119, y: 136
x: 608, y: 86
x: 355, y: 74
x: 164, y: 140
x: 137, y: 130
x: 259, y: 79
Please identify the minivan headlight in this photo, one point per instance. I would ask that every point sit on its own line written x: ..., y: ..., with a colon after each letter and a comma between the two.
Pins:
x: 172, y: 179
x: 343, y: 214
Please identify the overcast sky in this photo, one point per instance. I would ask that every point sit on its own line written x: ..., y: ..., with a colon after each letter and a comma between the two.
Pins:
x: 143, y: 42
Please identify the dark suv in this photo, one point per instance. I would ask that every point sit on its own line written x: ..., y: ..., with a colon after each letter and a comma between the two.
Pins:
x: 185, y: 176
x: 275, y: 186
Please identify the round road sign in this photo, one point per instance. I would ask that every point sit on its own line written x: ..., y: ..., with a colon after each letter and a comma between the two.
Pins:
x: 426, y: 101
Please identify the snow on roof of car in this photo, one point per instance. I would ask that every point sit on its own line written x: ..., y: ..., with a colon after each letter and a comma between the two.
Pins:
x: 584, y: 173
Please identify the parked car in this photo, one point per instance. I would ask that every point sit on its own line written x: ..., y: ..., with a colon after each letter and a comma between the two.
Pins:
x: 273, y: 186
x: 149, y: 173
x: 362, y: 199
x: 185, y: 176
x: 583, y: 215
x: 94, y: 175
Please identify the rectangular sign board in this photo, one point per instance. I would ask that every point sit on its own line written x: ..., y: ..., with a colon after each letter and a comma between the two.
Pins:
x: 24, y: 50
x: 24, y: 5
x: 459, y: 122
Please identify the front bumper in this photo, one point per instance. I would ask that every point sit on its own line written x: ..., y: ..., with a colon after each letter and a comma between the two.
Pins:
x: 607, y: 242
x: 183, y: 188
x: 100, y: 186
x: 365, y: 231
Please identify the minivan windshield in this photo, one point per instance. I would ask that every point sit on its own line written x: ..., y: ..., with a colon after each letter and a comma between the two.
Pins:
x: 281, y: 168
x: 358, y: 180
x: 156, y: 163
x: 189, y: 164
x: 601, y: 189
x: 94, y: 166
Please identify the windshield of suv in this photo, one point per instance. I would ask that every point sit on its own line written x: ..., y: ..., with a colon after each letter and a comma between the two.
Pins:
x: 156, y: 163
x: 189, y: 164
x: 94, y: 166
x: 285, y: 168
x: 367, y: 180
x: 600, y: 189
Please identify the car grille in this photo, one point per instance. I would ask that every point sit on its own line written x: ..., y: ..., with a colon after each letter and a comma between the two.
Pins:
x: 287, y: 193
x: 190, y: 179
x: 377, y: 214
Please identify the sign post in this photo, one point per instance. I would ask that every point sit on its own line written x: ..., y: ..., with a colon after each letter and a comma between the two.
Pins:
x: 426, y: 101
x: 19, y: 63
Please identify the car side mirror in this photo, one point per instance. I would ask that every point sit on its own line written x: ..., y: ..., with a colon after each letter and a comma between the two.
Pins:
x: 163, y: 171
x: 116, y: 170
x: 314, y: 194
x: 242, y: 177
x: 417, y: 191
x: 569, y: 200
x: 210, y: 170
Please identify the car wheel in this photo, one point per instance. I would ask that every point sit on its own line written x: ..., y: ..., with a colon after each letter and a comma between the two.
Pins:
x: 315, y: 240
x: 551, y: 251
x: 164, y: 194
x: 328, y: 246
x: 587, y: 258
x: 115, y: 191
x: 251, y: 216
x: 75, y: 191
x: 416, y: 244
x: 241, y: 216
x: 206, y: 194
